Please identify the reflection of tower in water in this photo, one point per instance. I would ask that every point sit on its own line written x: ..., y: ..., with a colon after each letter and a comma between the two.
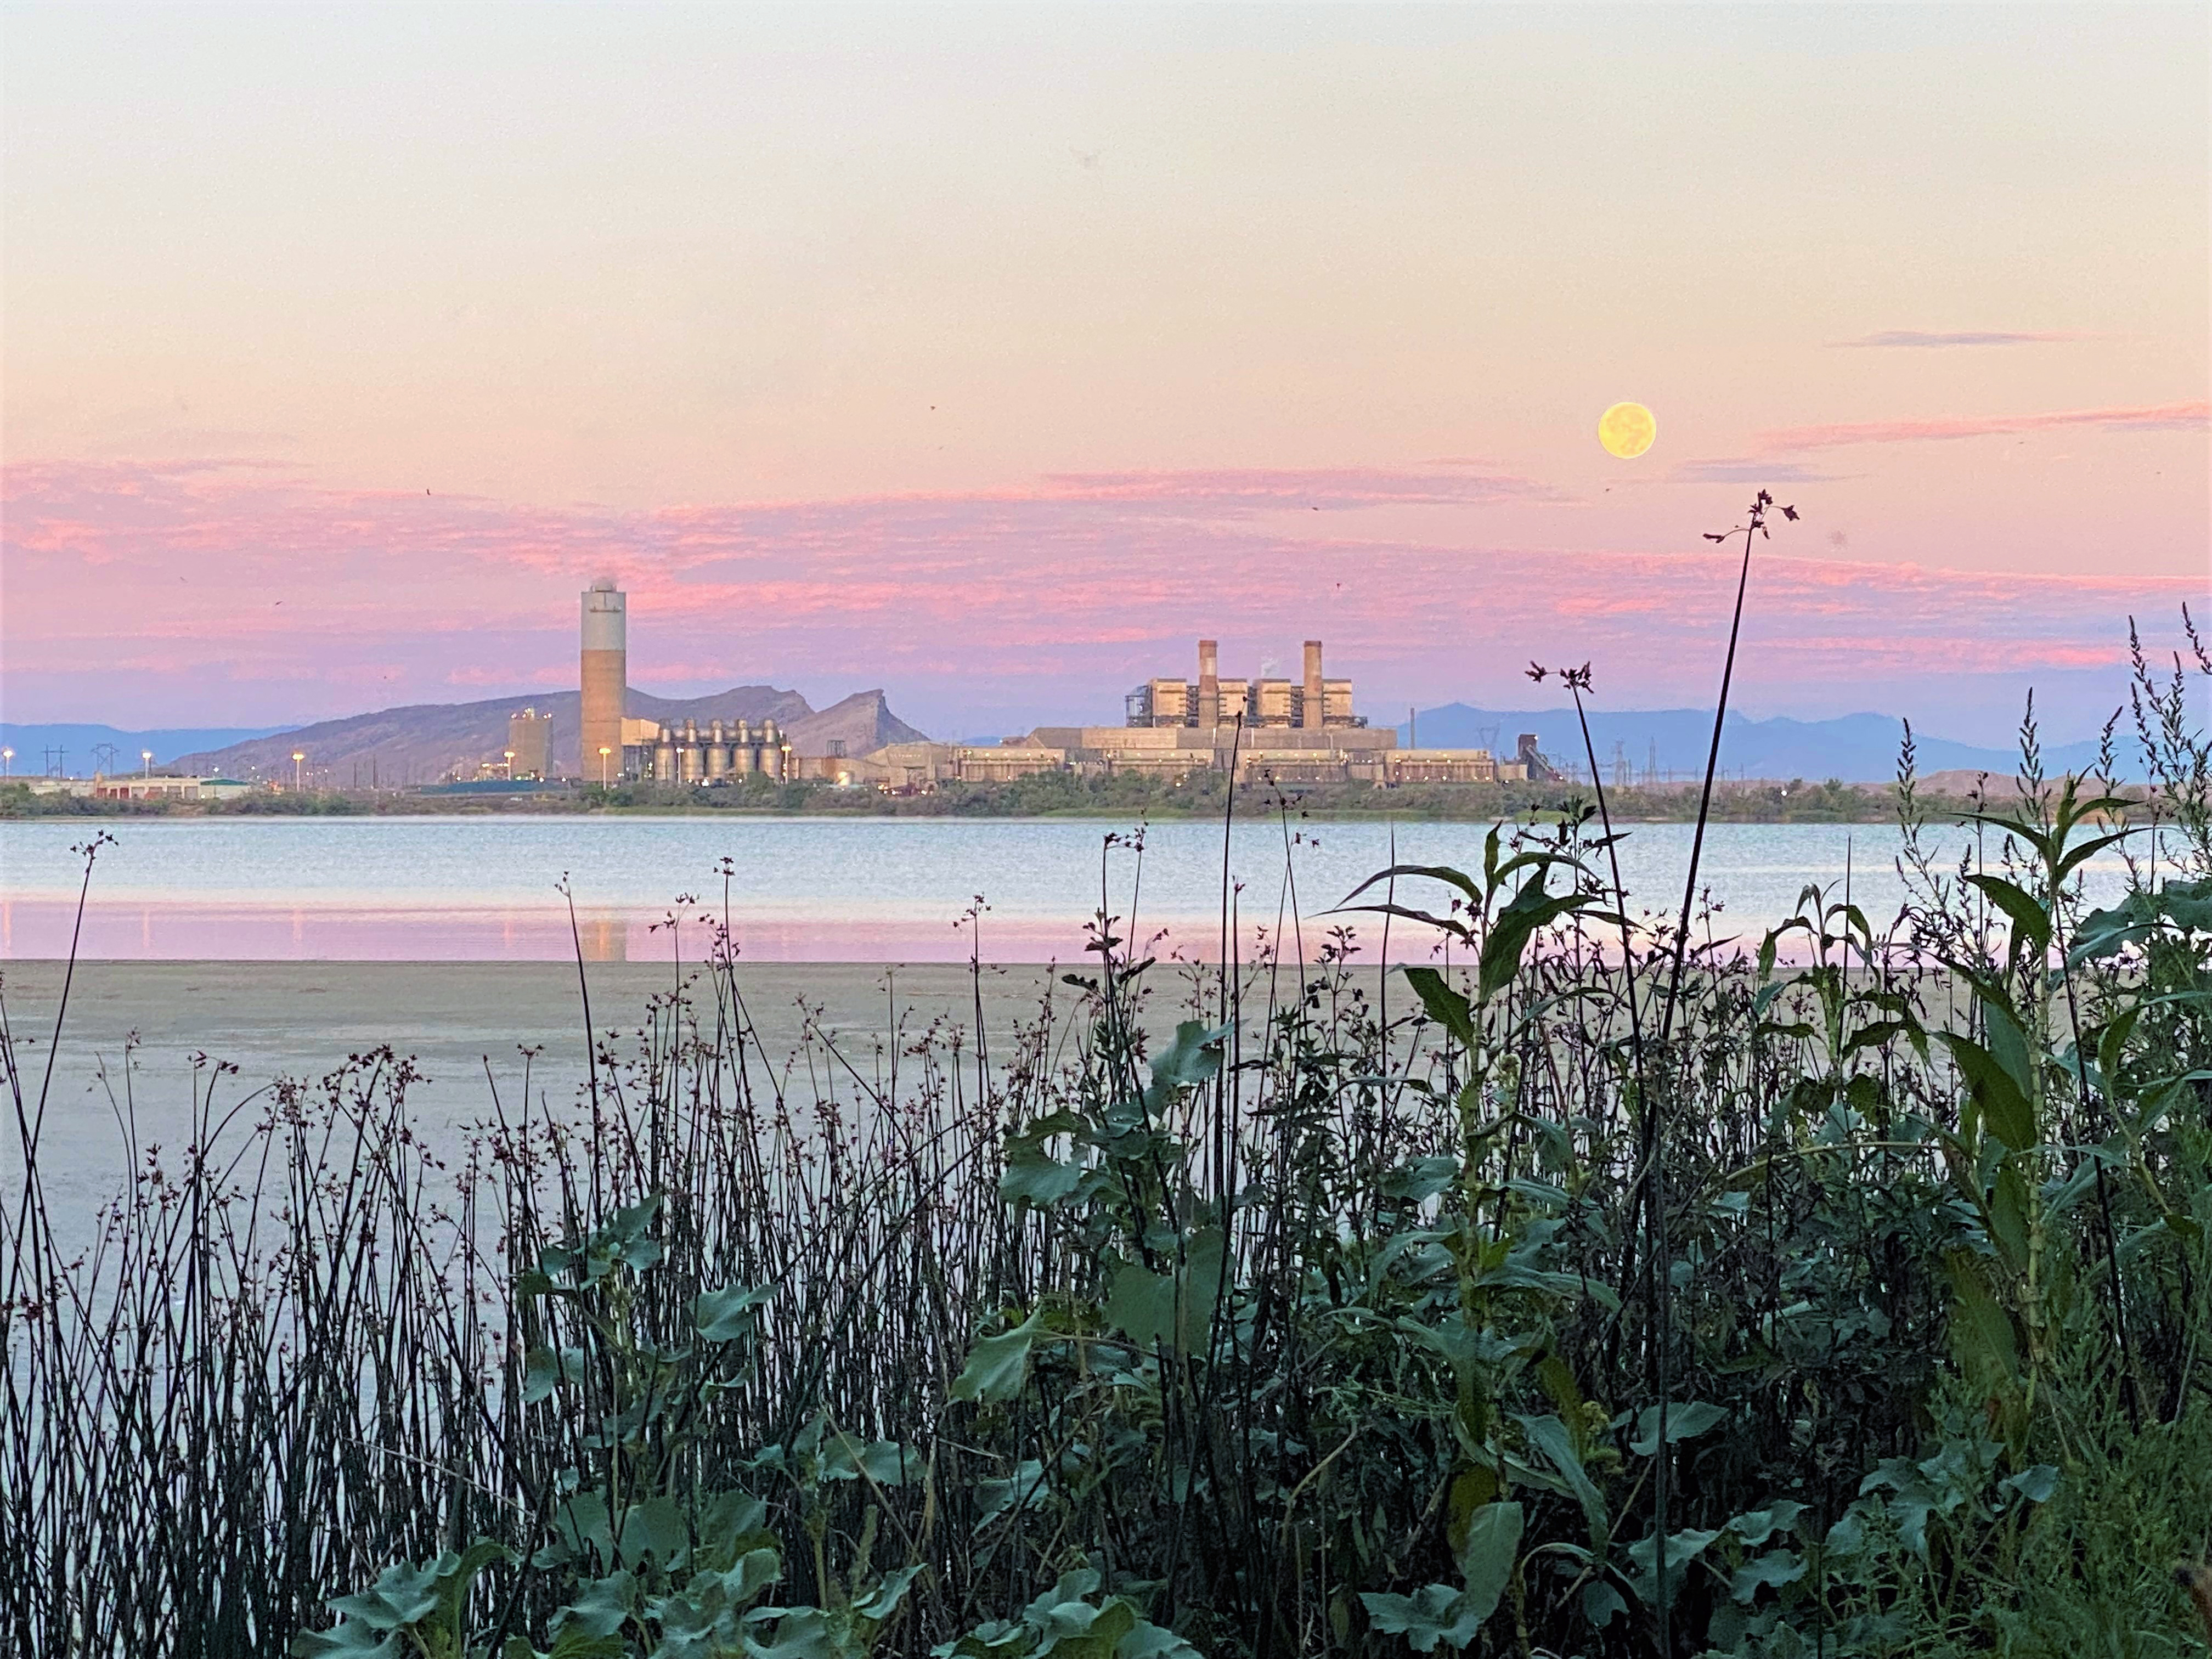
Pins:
x: 603, y: 939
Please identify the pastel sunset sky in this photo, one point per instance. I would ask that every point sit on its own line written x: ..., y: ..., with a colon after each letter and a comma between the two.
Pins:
x: 990, y: 356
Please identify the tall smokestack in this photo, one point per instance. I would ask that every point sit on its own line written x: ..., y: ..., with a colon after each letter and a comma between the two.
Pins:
x: 1309, y: 716
x: 1209, y: 683
x: 604, y: 680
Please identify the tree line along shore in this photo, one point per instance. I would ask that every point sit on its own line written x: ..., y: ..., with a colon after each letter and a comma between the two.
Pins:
x: 1048, y: 795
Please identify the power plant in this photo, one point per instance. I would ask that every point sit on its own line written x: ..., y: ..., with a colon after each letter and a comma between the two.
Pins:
x: 615, y: 747
x: 1301, y: 730
x: 1310, y: 704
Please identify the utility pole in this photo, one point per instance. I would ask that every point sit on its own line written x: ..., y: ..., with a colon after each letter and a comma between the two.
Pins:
x: 298, y: 777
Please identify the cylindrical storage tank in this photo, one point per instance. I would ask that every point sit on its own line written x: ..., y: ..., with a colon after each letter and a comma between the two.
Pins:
x: 743, y: 757
x: 664, y: 756
x: 604, y: 679
x: 718, y: 752
x: 771, y: 759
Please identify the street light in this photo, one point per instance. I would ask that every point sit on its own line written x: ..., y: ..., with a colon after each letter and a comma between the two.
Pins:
x: 7, y: 763
x: 146, y: 763
x: 298, y: 755
x: 510, y: 765
x: 603, y: 752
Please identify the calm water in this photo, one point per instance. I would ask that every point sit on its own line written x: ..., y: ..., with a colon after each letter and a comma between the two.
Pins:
x: 803, y: 890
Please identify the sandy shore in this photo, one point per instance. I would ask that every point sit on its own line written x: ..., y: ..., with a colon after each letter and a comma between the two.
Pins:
x: 466, y: 1025
x: 301, y: 1019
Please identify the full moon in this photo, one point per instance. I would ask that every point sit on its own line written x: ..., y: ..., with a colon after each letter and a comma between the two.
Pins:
x: 1626, y: 430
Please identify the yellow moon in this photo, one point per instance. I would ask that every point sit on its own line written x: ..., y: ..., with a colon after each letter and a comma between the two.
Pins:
x: 1626, y: 430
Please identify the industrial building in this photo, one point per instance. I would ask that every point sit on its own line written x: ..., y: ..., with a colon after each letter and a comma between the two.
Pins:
x: 530, y: 745
x: 148, y: 786
x: 1293, y: 732
x: 1290, y: 732
x: 686, y: 755
x: 614, y: 747
x: 1310, y: 704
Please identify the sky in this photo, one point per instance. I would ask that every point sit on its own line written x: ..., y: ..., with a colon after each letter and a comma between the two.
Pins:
x: 991, y: 355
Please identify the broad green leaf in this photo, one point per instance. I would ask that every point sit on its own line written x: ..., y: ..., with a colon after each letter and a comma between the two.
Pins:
x: 1025, y: 1488
x: 727, y: 1315
x: 1190, y: 1059
x: 998, y: 1365
x: 1756, y: 1527
x: 1445, y: 873
x: 1176, y: 1306
x: 545, y: 1369
x: 1422, y: 1178
x: 1433, y: 1616
x: 1493, y: 1544
x: 1528, y: 912
x: 1682, y: 1548
x: 800, y: 1633
x: 1147, y: 1640
x: 1602, y: 1602
x: 882, y: 1600
x: 1774, y: 1569
x: 2030, y: 924
x: 1549, y: 1436
x: 602, y: 1608
x: 886, y: 1462
x: 2005, y: 1109
x: 1445, y: 1005
x: 656, y: 1528
x: 1684, y: 1422
x: 1033, y: 1177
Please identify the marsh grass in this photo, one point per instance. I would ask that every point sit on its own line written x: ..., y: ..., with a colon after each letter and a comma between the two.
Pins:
x: 1326, y: 1326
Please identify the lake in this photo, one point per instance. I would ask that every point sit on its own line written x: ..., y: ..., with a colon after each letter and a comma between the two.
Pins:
x: 801, y: 890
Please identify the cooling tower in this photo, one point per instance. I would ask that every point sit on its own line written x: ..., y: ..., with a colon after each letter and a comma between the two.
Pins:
x: 605, y: 679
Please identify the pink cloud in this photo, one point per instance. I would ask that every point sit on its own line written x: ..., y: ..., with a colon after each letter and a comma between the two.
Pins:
x: 1264, y: 487
x: 249, y: 593
x: 1939, y: 339
x: 2154, y: 418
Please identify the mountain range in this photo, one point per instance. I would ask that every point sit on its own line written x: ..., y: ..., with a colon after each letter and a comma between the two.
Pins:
x: 79, y: 745
x: 1672, y: 743
x: 423, y: 742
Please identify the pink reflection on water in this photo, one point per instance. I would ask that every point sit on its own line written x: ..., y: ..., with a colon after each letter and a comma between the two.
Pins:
x: 33, y: 929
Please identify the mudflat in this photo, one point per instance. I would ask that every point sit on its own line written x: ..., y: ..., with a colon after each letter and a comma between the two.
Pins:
x: 303, y: 1018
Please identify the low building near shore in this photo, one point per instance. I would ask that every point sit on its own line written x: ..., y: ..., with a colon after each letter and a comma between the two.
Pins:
x: 153, y: 786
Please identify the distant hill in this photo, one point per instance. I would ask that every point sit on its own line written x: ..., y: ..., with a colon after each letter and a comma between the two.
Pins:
x: 1855, y: 748
x: 78, y: 744
x: 421, y: 743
